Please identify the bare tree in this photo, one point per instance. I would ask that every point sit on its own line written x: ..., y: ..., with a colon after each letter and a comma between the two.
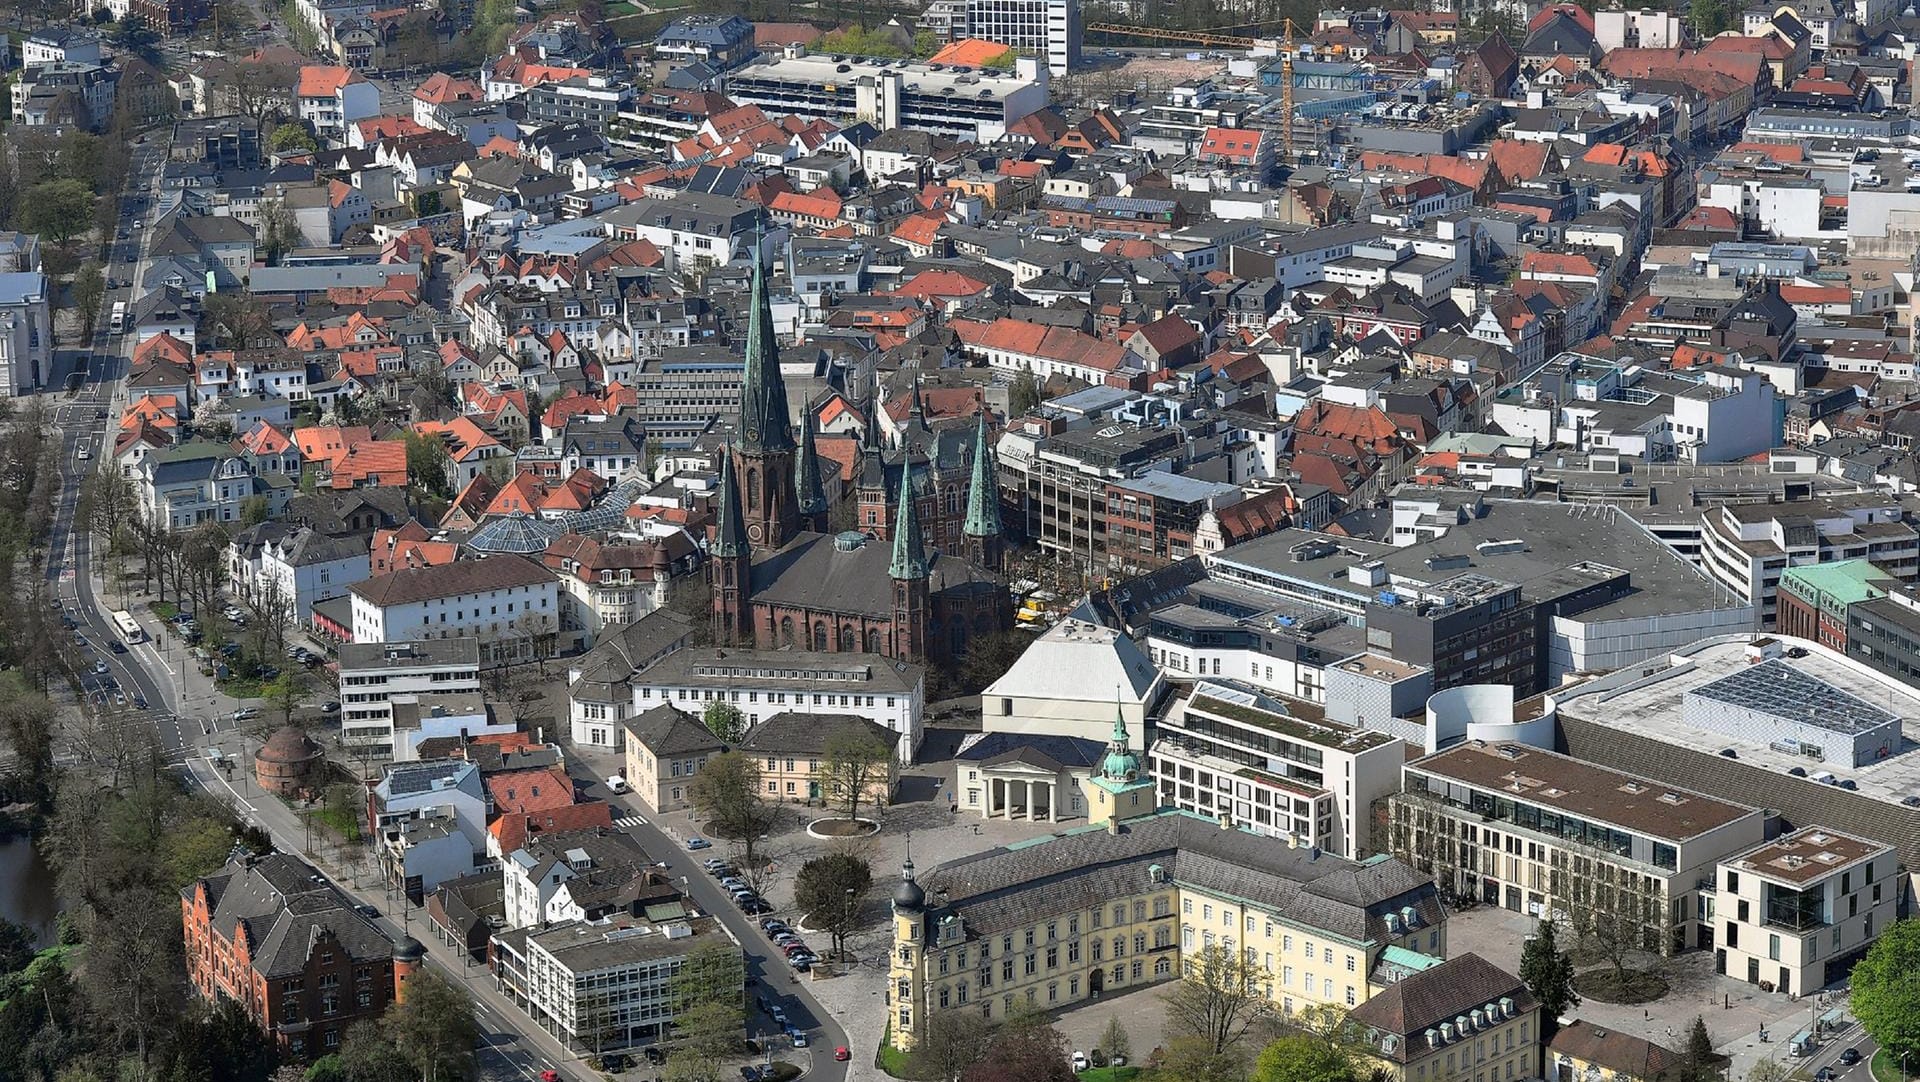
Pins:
x: 853, y: 764
x: 273, y: 614
x: 1223, y: 994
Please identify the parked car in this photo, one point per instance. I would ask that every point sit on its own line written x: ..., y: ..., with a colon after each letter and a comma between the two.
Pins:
x: 753, y: 907
x: 1079, y: 1062
x: 330, y: 707
x: 713, y: 864
x: 772, y: 925
x: 699, y: 843
x: 246, y: 713
x: 795, y: 1035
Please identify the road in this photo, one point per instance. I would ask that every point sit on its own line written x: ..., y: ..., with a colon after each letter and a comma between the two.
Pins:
x: 770, y: 975
x: 190, y: 717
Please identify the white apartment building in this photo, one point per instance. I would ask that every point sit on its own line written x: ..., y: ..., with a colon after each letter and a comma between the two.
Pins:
x: 1747, y: 548
x: 508, y: 602
x: 973, y: 105
x: 26, y: 332
x: 1798, y: 911
x: 762, y: 683
x: 307, y: 567
x: 558, y: 876
x: 602, y: 984
x: 1275, y: 768
x: 376, y: 676
x: 1044, y: 28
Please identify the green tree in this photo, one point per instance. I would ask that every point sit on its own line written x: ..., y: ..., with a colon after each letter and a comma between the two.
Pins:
x: 1192, y: 1059
x: 1305, y: 1057
x: 1547, y: 971
x: 220, y: 1044
x: 709, y: 1003
x: 1886, y: 997
x: 60, y: 209
x: 853, y: 764
x: 285, y: 692
x: 367, y: 1054
x: 427, y: 463
x: 1003, y: 62
x: 828, y: 890
x: 727, y: 794
x: 433, y: 1030
x: 292, y: 136
x: 1711, y: 18
x: 89, y: 291
x: 1697, y: 1061
x: 254, y: 510
x: 725, y: 722
x: 1023, y: 395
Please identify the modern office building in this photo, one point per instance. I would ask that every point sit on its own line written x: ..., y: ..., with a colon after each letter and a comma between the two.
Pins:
x: 1043, y: 28
x: 1797, y: 912
x: 1748, y: 547
x: 1056, y: 921
x: 975, y: 105
x: 376, y: 676
x: 1274, y: 767
x: 607, y: 984
x: 1534, y: 831
x: 1827, y: 739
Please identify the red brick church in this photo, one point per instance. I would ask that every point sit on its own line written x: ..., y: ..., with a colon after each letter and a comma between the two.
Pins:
x: 780, y: 580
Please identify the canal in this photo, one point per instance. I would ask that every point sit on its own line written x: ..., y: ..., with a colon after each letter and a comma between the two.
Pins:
x: 26, y: 888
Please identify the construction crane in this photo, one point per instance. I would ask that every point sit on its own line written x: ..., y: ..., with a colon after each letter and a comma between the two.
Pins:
x: 1188, y: 37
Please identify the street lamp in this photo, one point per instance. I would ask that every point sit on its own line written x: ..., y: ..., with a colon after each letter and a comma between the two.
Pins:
x: 1903, y: 1065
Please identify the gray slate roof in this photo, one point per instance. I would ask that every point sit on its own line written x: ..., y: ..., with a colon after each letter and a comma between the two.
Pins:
x: 1004, y: 888
x: 669, y: 732
x: 286, y: 909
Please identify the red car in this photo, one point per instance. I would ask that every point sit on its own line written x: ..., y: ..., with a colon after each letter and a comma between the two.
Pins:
x: 842, y: 1054
x: 549, y: 1075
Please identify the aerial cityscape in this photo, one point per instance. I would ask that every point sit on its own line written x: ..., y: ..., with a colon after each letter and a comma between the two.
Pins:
x: 959, y: 541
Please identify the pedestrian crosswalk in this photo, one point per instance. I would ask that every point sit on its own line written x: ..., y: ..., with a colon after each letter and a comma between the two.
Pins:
x: 630, y: 821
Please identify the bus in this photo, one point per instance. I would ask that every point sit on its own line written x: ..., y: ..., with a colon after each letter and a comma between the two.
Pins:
x: 128, y: 630
x: 119, y: 317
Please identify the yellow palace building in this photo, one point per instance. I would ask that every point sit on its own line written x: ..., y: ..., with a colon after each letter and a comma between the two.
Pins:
x: 1056, y: 921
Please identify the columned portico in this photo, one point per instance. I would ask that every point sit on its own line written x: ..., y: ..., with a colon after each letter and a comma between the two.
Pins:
x: 1032, y: 799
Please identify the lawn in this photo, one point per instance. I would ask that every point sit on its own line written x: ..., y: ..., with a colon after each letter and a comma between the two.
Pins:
x: 1886, y: 1068
x: 165, y: 610
x: 241, y: 687
x: 1128, y: 1073
x: 340, y: 820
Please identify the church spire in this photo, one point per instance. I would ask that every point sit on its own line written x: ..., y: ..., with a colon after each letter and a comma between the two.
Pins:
x: 806, y: 480
x: 765, y: 423
x: 909, y: 555
x: 1121, y: 764
x: 983, y: 497
x: 729, y: 529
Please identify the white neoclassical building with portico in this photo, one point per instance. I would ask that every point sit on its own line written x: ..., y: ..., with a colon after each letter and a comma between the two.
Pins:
x: 1020, y: 776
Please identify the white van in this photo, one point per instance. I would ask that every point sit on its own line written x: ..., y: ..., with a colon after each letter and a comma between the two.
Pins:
x: 616, y: 784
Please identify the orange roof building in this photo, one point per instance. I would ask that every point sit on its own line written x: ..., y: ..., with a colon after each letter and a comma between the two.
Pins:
x: 970, y: 53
